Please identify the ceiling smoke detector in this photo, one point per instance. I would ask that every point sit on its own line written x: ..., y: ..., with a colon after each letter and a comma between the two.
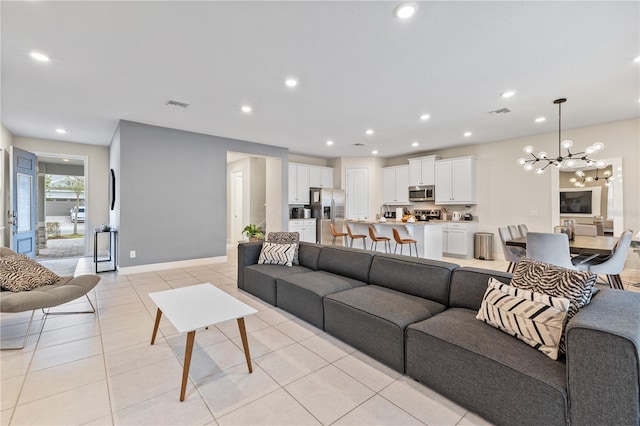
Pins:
x: 177, y: 103
x: 500, y: 111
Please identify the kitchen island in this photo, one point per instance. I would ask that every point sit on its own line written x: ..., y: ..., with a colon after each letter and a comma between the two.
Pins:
x: 427, y: 234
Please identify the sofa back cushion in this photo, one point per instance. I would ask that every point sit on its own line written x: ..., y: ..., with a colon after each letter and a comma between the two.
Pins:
x: 308, y: 254
x: 348, y: 262
x: 424, y: 278
x: 469, y: 284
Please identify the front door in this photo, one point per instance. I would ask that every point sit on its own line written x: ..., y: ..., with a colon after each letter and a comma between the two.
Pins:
x: 23, y: 202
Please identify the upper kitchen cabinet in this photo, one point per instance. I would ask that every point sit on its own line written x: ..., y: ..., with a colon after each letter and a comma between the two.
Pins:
x: 303, y: 176
x: 455, y: 180
x: 298, y: 184
x: 320, y: 177
x: 395, y: 185
x: 422, y: 170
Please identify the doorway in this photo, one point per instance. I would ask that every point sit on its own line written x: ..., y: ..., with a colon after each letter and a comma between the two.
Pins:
x: 236, y: 206
x: 62, y: 207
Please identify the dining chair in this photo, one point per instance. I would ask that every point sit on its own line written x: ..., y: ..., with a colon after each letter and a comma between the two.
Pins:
x: 335, y: 233
x: 512, y: 254
x: 375, y: 239
x: 515, y: 232
x: 402, y: 241
x: 586, y: 230
x: 523, y: 229
x: 613, y: 265
x: 550, y: 248
x: 356, y: 237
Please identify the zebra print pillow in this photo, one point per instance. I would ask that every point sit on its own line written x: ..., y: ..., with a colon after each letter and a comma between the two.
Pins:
x: 286, y: 238
x: 277, y: 254
x: 555, y: 281
x: 535, y: 318
x: 20, y: 273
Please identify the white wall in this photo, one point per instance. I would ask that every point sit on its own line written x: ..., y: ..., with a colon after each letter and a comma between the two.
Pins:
x: 273, y: 196
x: 96, y: 171
x: 303, y: 159
x: 6, y: 140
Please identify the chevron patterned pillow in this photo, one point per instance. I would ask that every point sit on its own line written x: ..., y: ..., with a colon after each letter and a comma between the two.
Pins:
x: 277, y: 254
x: 535, y: 318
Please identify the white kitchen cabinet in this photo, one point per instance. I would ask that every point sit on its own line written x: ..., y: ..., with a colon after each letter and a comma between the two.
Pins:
x: 455, y: 181
x: 320, y: 177
x: 305, y: 227
x: 327, y: 177
x: 422, y: 170
x: 298, y: 183
x: 457, y: 238
x: 395, y: 185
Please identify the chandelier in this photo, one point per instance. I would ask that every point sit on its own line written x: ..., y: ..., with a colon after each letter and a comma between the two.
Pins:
x: 570, y: 160
x: 582, y: 178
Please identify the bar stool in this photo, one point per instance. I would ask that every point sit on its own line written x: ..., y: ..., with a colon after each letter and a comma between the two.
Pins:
x: 335, y: 233
x: 356, y: 236
x: 401, y: 241
x: 375, y: 239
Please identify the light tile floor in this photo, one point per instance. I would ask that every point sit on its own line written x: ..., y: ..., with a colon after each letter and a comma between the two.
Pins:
x: 100, y: 369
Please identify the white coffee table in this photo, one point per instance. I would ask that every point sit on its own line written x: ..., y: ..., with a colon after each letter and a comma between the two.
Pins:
x: 199, y: 306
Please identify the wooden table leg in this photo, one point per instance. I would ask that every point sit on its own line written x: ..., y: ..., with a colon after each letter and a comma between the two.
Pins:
x: 245, y: 343
x: 187, y: 363
x: 155, y: 327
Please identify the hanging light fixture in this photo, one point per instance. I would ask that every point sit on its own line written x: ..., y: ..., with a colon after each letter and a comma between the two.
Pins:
x: 570, y: 160
x: 582, y: 178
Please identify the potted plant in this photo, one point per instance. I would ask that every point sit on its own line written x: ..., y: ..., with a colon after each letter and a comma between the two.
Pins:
x: 253, y: 232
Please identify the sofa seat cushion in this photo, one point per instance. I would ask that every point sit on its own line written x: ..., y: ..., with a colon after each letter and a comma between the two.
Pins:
x: 482, y: 368
x: 302, y: 294
x: 373, y: 319
x: 260, y: 280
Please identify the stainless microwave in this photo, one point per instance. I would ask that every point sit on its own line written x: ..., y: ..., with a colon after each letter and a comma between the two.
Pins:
x: 422, y: 193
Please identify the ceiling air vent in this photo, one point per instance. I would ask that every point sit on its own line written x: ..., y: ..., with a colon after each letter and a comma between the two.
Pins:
x: 358, y: 144
x: 500, y: 111
x: 177, y: 103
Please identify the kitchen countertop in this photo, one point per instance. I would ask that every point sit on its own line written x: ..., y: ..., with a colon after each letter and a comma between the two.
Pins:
x: 393, y: 222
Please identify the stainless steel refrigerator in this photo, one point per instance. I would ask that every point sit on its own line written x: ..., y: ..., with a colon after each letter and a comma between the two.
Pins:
x: 327, y: 206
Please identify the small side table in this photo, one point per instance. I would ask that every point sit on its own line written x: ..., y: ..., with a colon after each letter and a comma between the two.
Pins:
x: 113, y: 235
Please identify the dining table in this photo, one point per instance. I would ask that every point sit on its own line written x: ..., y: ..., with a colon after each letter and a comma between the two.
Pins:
x: 581, y: 244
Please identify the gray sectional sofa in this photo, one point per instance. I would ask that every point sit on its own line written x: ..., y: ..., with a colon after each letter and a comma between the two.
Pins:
x: 418, y: 317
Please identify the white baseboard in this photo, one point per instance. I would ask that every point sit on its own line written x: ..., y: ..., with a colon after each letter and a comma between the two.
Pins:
x: 170, y: 265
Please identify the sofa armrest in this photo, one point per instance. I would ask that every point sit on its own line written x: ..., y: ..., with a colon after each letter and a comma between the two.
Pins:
x: 248, y: 254
x: 603, y: 362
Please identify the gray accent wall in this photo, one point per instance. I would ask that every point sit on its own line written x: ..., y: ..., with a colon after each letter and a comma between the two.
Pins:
x: 172, y: 196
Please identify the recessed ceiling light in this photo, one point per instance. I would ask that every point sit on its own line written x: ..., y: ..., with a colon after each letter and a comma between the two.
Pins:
x: 246, y: 108
x: 369, y: 132
x: 467, y: 134
x: 540, y: 119
x: 329, y: 142
x: 415, y: 144
x: 40, y: 57
x: 424, y: 117
x: 61, y: 131
x: 374, y: 152
x: 65, y: 159
x: 637, y: 59
x: 508, y: 94
x: 405, y: 10
x: 291, y: 82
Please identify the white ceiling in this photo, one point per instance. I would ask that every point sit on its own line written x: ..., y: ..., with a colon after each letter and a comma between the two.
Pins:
x: 358, y: 67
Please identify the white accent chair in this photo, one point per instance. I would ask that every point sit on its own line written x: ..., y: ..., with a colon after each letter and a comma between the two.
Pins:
x: 549, y: 248
x: 511, y: 254
x: 523, y: 229
x: 613, y: 265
